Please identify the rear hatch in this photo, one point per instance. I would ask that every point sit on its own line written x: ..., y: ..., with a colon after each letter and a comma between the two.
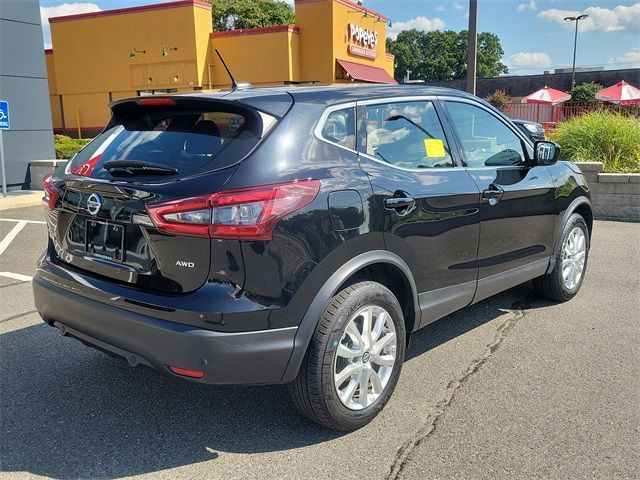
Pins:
x: 155, y: 151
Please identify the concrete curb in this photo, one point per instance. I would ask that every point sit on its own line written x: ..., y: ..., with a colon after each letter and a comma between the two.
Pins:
x: 19, y: 199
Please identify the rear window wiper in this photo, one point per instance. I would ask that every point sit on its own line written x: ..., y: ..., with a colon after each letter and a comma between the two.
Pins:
x: 137, y: 167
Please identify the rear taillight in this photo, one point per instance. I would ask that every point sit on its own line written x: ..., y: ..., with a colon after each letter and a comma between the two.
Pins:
x: 245, y: 214
x: 51, y: 193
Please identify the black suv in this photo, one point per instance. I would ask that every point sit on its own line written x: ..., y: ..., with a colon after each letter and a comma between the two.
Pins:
x: 300, y: 235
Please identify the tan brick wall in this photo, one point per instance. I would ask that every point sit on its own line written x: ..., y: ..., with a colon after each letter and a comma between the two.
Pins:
x: 614, y: 196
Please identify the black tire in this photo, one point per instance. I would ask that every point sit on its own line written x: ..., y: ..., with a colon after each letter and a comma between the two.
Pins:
x: 552, y: 285
x: 313, y: 391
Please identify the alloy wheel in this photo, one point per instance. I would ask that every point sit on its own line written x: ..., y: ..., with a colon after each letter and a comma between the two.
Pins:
x: 365, y: 357
x: 574, y: 255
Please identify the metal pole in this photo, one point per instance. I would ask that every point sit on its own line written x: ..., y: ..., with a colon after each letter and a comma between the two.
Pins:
x: 573, y: 69
x: 4, y: 173
x: 473, y: 46
x: 575, y: 45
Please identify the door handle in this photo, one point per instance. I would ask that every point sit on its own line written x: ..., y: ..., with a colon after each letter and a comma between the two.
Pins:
x: 402, y: 204
x: 493, y: 194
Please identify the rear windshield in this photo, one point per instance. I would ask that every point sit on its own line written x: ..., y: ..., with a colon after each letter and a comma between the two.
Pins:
x: 187, y: 140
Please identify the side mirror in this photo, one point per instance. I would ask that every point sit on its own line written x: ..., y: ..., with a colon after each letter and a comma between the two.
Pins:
x: 545, y: 152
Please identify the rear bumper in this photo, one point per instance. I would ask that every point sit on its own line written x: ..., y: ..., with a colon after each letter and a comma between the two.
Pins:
x: 255, y: 357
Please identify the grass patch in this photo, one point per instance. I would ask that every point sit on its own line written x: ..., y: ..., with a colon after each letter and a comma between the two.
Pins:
x: 601, y: 136
x: 67, y: 147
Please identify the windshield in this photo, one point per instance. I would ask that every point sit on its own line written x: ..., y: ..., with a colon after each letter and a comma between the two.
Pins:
x: 187, y: 140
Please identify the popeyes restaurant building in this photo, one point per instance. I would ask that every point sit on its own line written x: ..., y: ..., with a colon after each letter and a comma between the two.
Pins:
x: 170, y: 47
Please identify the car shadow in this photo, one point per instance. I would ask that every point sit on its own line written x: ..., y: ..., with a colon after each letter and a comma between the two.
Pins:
x: 71, y: 412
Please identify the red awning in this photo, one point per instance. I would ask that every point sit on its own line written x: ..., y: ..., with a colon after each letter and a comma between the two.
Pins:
x: 366, y: 73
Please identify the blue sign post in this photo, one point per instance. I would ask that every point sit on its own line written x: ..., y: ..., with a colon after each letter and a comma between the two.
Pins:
x: 5, y: 124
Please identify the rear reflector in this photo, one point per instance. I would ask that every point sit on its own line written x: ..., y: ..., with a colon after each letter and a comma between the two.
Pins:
x: 51, y: 193
x: 187, y: 373
x: 244, y: 214
x: 156, y: 101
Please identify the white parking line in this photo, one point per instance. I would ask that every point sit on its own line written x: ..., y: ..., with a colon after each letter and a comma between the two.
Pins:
x: 25, y: 221
x: 16, y: 276
x: 11, y: 235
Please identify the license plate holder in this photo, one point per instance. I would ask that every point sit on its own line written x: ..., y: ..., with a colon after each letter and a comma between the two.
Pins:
x: 104, y: 240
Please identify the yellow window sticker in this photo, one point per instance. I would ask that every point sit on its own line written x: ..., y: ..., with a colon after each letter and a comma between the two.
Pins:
x: 434, y: 148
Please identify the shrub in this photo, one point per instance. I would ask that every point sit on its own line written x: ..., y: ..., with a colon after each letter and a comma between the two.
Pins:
x: 601, y: 136
x: 585, y: 92
x: 500, y: 100
x: 67, y: 147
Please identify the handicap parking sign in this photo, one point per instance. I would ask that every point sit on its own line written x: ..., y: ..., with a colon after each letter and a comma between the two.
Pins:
x: 4, y: 115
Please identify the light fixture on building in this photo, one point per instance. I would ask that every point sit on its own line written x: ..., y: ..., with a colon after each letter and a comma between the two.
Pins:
x: 134, y: 51
x: 165, y: 50
x: 380, y: 20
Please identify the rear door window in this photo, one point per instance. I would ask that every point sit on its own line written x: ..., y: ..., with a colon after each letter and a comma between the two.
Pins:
x: 406, y: 135
x: 340, y: 128
x: 187, y: 140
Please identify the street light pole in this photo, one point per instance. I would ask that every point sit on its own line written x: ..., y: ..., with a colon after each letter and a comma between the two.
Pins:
x: 472, y: 54
x: 575, y: 44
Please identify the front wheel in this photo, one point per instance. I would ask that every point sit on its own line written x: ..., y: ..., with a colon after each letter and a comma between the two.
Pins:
x: 564, y: 282
x: 354, y: 359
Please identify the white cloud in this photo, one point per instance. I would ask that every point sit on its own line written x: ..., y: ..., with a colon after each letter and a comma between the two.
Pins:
x: 615, y: 19
x: 529, y: 60
x: 439, y: 8
x: 630, y: 59
x: 419, y: 23
x: 457, y: 5
x: 60, y: 11
x: 527, y: 6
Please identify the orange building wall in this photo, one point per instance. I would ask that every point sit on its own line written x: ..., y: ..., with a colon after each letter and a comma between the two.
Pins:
x: 324, y: 34
x: 267, y: 56
x: 315, y: 20
x: 54, y: 98
x: 90, y: 64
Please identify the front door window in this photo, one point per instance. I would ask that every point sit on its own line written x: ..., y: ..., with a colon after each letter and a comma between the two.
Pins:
x: 486, y: 141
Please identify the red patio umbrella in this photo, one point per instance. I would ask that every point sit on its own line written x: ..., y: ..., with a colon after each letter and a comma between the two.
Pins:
x: 547, y: 96
x: 621, y: 92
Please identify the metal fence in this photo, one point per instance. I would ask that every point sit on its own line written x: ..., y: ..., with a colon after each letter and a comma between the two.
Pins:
x: 552, y: 114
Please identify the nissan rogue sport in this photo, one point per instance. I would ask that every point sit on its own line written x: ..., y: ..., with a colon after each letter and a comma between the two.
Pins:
x: 300, y: 235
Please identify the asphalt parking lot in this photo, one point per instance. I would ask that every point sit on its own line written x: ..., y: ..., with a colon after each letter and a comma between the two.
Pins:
x: 513, y: 387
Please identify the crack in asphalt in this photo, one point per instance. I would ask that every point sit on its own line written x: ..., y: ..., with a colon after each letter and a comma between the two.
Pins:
x: 516, y: 312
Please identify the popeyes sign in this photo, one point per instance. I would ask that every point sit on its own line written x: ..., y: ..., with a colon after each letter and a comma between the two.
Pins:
x: 362, y: 42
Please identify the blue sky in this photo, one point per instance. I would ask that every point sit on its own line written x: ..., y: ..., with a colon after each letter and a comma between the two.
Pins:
x: 533, y: 33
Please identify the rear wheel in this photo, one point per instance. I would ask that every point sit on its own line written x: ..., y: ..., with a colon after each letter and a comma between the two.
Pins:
x: 354, y: 360
x: 564, y: 282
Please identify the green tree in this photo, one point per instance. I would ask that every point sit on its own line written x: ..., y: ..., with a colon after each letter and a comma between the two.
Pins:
x: 235, y: 14
x: 442, y: 55
x: 585, y: 92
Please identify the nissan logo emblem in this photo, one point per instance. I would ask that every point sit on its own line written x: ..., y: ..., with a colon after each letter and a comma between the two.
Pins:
x: 94, y: 203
